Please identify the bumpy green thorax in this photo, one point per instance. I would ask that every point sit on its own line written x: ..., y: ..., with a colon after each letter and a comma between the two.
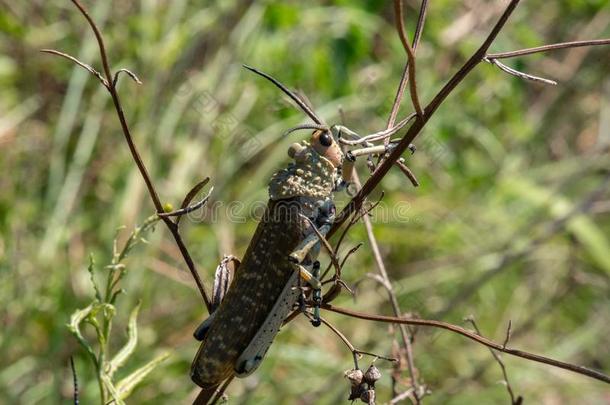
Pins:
x: 311, y: 175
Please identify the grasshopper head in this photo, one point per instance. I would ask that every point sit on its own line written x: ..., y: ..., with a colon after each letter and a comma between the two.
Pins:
x: 315, y: 170
x: 325, y: 143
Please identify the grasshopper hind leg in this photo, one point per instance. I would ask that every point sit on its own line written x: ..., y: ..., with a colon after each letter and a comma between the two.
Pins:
x: 253, y: 355
x: 222, y: 281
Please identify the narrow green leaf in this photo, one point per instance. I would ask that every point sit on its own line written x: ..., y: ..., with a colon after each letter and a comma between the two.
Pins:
x: 127, y: 384
x: 132, y: 340
x: 114, y: 392
x: 91, y: 269
x: 74, y: 327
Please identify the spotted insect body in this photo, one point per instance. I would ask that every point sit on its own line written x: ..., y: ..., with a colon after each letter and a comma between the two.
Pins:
x: 282, y: 251
x: 263, y: 292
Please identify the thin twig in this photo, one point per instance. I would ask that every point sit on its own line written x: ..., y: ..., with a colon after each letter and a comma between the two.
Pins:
x: 341, y: 336
x: 349, y: 253
x: 421, y: 20
x: 220, y: 392
x: 357, y: 218
x: 519, y: 74
x: 173, y: 227
x: 189, y: 209
x: 407, y: 172
x: 473, y: 336
x: 88, y: 68
x: 351, y: 347
x: 508, y: 332
x: 498, y: 360
x: 550, y: 47
x: 404, y: 395
x: 128, y: 73
x: 410, y: 54
x: 417, y: 126
x: 406, y: 336
x: 405, y: 74
x: 191, y: 194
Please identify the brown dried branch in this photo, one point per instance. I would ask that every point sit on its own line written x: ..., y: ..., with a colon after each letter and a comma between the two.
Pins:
x: 419, y: 123
x: 519, y: 74
x: 405, y: 74
x: 183, y: 211
x: 129, y: 73
x: 88, y: 68
x: 349, y: 344
x: 400, y: 27
x: 406, y: 336
x: 109, y: 82
x: 421, y: 19
x: 473, y: 336
x: 407, y: 172
x: 509, y: 388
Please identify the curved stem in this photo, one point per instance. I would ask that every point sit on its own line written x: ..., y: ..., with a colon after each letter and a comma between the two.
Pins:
x: 473, y: 336
x: 417, y: 126
x: 173, y: 228
x: 410, y: 54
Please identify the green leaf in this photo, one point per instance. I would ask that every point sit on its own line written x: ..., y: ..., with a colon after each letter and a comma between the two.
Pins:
x: 127, y: 384
x: 114, y: 392
x: 90, y: 269
x: 132, y: 340
x: 74, y: 327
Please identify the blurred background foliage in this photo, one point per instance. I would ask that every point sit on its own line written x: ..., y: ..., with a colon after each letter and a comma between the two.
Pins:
x: 500, y: 165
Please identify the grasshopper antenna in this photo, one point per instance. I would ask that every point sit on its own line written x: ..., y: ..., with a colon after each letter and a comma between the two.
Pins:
x: 305, y: 126
x: 304, y: 107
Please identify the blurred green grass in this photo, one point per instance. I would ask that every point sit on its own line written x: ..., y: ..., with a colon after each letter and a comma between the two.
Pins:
x: 500, y: 162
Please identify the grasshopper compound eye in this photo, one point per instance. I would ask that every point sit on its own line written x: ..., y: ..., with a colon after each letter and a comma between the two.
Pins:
x: 324, y: 143
x: 326, y: 139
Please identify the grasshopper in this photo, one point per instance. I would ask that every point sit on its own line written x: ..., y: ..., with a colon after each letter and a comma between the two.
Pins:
x: 281, y: 255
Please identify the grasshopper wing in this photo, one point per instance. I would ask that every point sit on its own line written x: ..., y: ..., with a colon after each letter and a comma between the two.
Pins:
x: 258, y: 284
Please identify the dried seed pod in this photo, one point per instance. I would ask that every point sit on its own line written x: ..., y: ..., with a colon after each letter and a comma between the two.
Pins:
x: 355, y: 392
x: 354, y: 376
x: 368, y: 397
x: 372, y: 374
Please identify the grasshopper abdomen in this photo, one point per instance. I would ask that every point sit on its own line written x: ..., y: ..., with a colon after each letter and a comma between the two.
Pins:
x: 259, y: 280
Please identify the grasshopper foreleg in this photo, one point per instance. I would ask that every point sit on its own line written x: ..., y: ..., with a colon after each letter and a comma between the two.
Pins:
x: 304, y: 248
